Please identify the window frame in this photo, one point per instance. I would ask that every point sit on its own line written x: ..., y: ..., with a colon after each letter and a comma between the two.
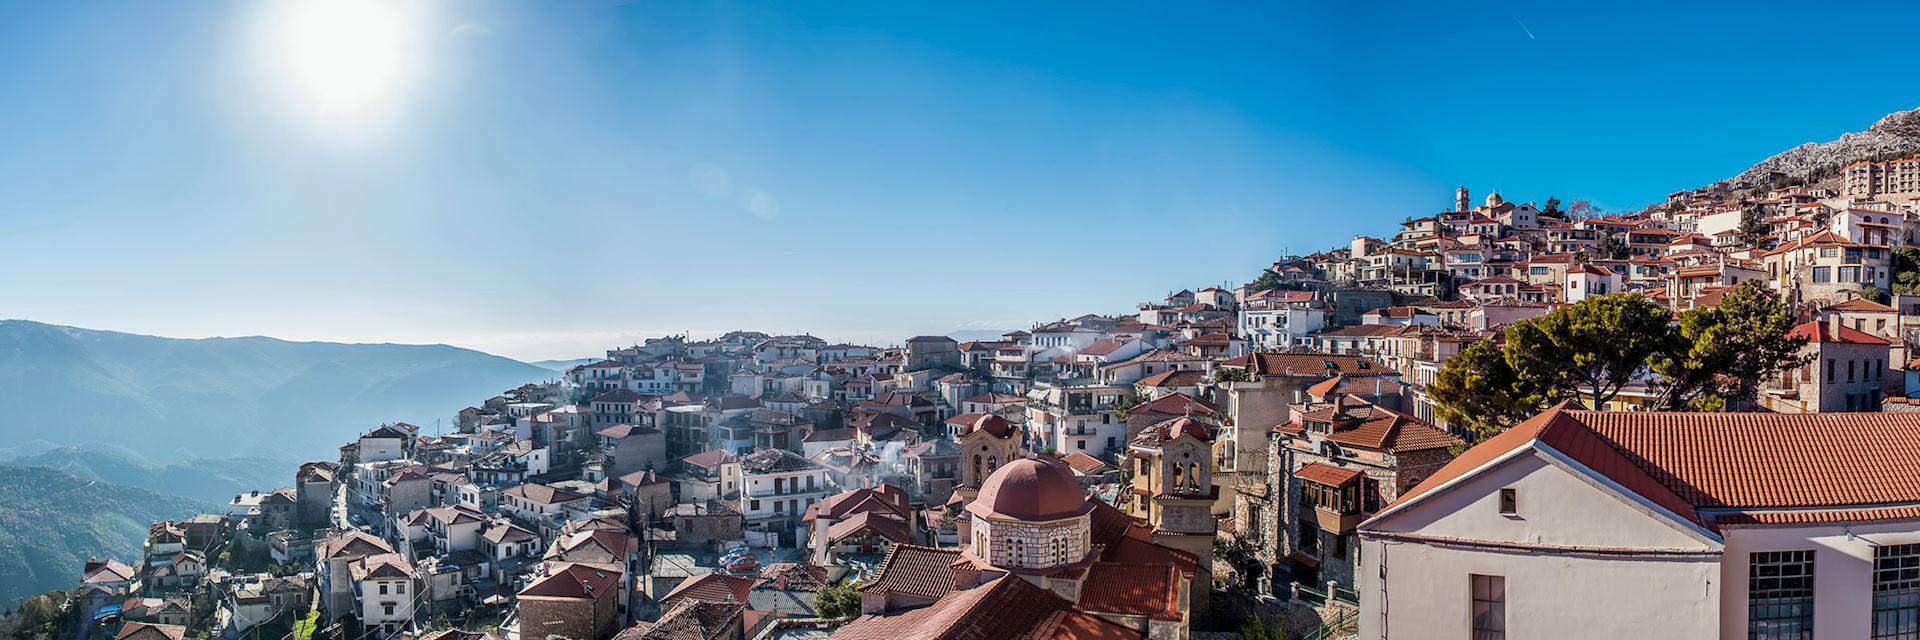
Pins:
x: 1490, y: 591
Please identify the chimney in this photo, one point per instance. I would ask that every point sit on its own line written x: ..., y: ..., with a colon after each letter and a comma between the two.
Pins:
x: 1833, y: 324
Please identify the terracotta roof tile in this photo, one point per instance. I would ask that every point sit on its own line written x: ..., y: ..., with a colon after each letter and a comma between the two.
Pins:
x: 1005, y: 609
x: 1326, y: 474
x: 1691, y: 461
x: 1822, y: 332
x: 1151, y: 590
x: 916, y: 571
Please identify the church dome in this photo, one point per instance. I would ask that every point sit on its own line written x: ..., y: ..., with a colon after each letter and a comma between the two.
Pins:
x: 1494, y: 199
x: 1031, y: 490
x: 992, y: 424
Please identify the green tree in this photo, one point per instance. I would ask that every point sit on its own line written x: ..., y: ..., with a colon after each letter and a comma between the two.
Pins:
x: 1552, y: 208
x: 837, y: 600
x: 1720, y: 354
x: 1477, y: 390
x: 1588, y: 352
x: 1591, y: 350
x: 1752, y: 226
x: 1610, y: 248
x: 1906, y: 270
x: 1267, y: 280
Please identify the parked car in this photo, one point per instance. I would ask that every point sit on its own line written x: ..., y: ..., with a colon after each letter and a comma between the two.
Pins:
x: 744, y: 563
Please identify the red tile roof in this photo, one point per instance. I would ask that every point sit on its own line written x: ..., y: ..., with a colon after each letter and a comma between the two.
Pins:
x: 916, y: 571
x: 1084, y: 464
x: 1690, y: 461
x: 1822, y: 332
x: 1326, y: 474
x: 577, y: 581
x: 886, y: 525
x: 1183, y: 378
x: 1151, y: 590
x: 713, y: 587
x: 1005, y: 609
x: 1177, y: 404
x: 1862, y: 305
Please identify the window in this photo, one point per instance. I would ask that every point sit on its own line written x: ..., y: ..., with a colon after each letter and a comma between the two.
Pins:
x: 1780, y: 596
x: 388, y: 608
x: 383, y: 588
x: 1489, y: 607
x: 1896, y: 592
x: 1823, y: 274
x: 400, y: 588
x: 1082, y: 444
x: 1509, y: 502
x: 753, y: 505
x: 1829, y: 370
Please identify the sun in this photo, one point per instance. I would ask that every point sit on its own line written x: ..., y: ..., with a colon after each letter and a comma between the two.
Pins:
x: 341, y: 61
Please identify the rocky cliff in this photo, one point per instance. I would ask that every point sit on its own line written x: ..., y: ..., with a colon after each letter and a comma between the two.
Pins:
x: 1896, y: 134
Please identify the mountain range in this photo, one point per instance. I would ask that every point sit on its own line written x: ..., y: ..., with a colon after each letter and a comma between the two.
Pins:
x: 161, y: 400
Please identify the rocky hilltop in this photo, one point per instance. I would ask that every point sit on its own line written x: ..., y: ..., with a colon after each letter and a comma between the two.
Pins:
x: 1897, y: 133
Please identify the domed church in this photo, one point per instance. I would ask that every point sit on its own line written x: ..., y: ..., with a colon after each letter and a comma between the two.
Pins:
x: 1063, y: 564
x: 1031, y: 515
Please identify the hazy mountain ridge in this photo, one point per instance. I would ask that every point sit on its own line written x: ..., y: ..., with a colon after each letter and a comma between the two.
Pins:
x: 52, y: 521
x: 1895, y: 134
x: 207, y: 480
x: 564, y: 364
x: 170, y: 399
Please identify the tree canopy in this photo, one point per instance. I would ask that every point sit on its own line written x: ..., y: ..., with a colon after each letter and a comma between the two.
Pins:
x: 1720, y: 354
x: 1707, y: 359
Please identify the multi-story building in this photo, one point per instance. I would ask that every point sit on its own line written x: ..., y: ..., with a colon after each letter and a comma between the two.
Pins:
x: 776, y: 486
x: 1846, y: 370
x: 1826, y: 268
x: 1889, y: 181
x: 1582, y: 524
x: 1336, y: 461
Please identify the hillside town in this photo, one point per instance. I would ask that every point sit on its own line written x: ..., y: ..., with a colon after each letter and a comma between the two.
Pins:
x: 1269, y: 455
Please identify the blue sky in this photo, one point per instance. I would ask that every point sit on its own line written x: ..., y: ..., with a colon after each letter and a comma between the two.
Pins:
x: 543, y: 179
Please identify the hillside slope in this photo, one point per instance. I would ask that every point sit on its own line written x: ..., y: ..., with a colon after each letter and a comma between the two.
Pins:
x: 51, y: 522
x: 174, y: 399
x: 1896, y: 134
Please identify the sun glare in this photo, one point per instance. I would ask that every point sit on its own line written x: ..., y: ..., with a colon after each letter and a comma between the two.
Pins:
x: 341, y: 61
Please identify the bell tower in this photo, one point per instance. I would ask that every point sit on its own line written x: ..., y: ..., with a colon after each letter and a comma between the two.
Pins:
x: 1461, y: 202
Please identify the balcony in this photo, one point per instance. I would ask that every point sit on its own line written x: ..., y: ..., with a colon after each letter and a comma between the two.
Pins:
x: 1335, y: 521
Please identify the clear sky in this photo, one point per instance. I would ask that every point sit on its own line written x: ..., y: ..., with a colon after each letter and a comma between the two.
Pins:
x: 544, y: 179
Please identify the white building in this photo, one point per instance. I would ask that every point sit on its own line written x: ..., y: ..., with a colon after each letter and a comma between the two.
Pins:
x: 776, y: 484
x: 383, y: 585
x: 1280, y: 326
x: 1581, y: 524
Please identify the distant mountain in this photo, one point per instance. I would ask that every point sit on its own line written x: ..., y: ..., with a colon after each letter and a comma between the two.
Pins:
x: 1896, y: 134
x: 51, y: 522
x: 168, y: 399
x: 563, y: 365
x: 210, y: 480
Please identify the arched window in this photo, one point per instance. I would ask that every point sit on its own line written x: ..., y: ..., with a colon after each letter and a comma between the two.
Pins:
x: 993, y: 462
x: 976, y: 467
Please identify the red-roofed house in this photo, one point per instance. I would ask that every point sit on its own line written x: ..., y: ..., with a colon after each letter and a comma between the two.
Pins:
x: 1847, y: 371
x: 1583, y: 524
x: 573, y: 601
x: 866, y: 521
